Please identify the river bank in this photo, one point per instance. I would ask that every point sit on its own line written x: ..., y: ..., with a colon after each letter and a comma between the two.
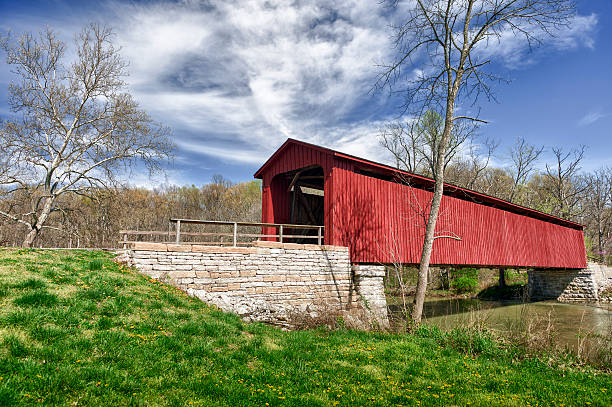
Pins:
x: 583, y: 329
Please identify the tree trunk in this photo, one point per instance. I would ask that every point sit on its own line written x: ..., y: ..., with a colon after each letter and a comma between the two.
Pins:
x: 30, y: 237
x: 419, y: 298
x: 32, y: 234
x: 600, y: 246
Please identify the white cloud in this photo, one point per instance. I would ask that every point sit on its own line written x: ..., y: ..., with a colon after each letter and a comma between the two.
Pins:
x: 142, y: 179
x: 513, y: 49
x: 235, y: 154
x: 591, y: 118
x: 253, y: 72
x: 234, y: 79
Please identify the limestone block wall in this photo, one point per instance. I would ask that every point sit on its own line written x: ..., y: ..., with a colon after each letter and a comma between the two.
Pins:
x: 602, y: 275
x: 563, y: 285
x: 369, y: 285
x: 270, y: 282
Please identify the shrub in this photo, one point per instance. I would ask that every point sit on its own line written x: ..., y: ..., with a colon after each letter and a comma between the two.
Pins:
x: 465, y: 280
x: 465, y: 284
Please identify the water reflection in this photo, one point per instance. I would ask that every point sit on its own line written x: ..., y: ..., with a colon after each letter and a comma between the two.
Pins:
x: 569, y: 320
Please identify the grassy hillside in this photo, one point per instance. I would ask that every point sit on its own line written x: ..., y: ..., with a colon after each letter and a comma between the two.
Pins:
x: 78, y: 329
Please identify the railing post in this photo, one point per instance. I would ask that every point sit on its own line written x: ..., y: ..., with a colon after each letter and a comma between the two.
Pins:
x: 280, y: 234
x: 319, y: 235
x: 235, y: 234
x: 178, y: 232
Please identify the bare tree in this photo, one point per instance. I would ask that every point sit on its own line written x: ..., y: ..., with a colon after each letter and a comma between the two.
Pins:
x: 75, y: 128
x: 469, y: 170
x: 524, y: 157
x: 431, y: 125
x: 411, y: 145
x: 405, y: 145
x: 445, y: 41
x: 564, y: 184
x: 598, y: 207
x: 478, y: 159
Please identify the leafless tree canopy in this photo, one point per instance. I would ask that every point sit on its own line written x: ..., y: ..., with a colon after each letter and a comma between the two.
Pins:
x: 413, y: 143
x: 597, y: 204
x: 443, y: 45
x: 564, y: 182
x: 523, y: 157
x: 75, y: 127
x: 96, y: 222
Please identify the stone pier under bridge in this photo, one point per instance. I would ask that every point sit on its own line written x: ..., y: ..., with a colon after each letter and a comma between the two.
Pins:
x: 571, y: 285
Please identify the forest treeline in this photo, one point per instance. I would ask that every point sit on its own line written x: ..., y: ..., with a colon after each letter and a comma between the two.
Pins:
x: 561, y: 189
x: 96, y: 222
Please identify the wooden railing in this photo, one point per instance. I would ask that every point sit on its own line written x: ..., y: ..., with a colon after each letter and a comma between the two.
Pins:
x: 176, y: 235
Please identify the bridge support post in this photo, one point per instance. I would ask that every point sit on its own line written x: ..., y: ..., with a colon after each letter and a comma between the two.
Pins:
x: 502, y: 277
x: 368, y: 283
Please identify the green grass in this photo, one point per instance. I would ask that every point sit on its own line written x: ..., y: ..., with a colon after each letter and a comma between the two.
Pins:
x: 78, y: 329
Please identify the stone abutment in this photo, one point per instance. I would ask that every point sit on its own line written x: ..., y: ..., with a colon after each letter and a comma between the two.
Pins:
x: 284, y: 284
x: 582, y: 285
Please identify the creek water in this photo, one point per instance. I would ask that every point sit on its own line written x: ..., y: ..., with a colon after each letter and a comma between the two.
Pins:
x: 569, y: 321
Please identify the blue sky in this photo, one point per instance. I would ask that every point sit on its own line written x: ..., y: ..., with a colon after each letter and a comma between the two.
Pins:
x: 234, y: 79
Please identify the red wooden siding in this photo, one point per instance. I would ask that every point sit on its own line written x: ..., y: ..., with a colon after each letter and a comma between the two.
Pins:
x: 275, y: 198
x: 381, y: 221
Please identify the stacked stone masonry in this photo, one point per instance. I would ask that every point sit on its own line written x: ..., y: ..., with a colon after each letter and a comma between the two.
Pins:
x: 369, y: 283
x: 270, y: 282
x: 585, y: 285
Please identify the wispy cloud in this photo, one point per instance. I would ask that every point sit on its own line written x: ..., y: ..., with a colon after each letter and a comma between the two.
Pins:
x: 591, y: 118
x: 513, y: 50
x: 235, y: 78
x: 246, y: 75
x: 253, y: 73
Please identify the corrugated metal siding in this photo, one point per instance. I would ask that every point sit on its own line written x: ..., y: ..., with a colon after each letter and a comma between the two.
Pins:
x: 381, y: 221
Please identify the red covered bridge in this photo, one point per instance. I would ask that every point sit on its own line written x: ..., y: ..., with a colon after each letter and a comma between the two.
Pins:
x: 377, y: 211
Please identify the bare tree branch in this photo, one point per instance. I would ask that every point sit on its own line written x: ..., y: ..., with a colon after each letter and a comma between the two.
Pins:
x: 75, y: 126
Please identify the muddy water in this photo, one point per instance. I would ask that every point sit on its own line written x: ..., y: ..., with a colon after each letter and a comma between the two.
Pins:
x: 569, y: 321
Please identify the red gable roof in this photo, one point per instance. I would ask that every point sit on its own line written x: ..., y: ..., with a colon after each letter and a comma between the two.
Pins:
x: 425, y: 182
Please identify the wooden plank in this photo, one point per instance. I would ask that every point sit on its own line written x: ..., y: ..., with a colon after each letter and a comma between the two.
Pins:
x: 212, y: 234
x: 300, y: 183
x: 220, y: 243
x: 235, y: 233
x: 257, y: 224
x: 297, y: 175
x: 142, y: 232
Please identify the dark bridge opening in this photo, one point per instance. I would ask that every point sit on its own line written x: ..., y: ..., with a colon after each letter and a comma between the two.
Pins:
x: 306, y: 200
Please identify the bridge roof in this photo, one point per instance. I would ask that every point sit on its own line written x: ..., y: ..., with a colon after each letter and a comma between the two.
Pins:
x: 418, y: 180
